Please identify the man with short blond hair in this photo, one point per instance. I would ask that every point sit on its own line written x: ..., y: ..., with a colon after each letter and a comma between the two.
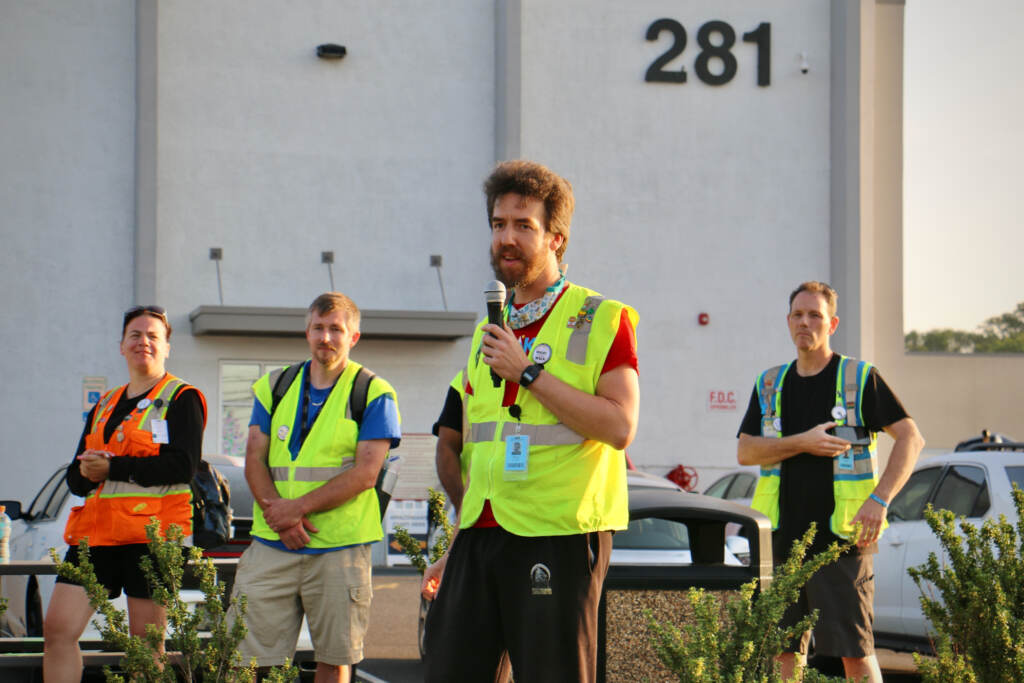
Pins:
x: 811, y: 426
x: 312, y: 468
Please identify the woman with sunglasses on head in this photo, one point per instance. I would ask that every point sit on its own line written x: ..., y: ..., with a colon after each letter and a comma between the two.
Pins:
x: 138, y: 452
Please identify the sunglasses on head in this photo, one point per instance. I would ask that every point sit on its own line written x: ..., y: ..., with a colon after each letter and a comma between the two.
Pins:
x: 135, y: 311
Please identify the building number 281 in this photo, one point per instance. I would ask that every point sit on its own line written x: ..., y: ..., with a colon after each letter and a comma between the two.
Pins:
x: 721, y: 49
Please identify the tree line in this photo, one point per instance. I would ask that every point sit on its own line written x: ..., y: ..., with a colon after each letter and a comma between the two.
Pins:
x: 999, y: 334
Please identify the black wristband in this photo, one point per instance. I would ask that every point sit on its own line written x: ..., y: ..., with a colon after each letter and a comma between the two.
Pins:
x: 530, y: 374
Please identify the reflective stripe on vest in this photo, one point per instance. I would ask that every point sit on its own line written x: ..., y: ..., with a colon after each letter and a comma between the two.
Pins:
x: 540, y: 435
x: 116, y: 489
x: 577, y: 350
x: 310, y: 474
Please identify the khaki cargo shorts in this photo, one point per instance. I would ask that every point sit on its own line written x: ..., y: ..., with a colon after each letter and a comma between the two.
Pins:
x: 332, y: 589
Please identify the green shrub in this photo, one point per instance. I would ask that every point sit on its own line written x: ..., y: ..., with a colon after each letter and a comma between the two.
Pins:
x: 977, y: 606
x: 738, y: 642
x: 412, y: 547
x: 215, y: 658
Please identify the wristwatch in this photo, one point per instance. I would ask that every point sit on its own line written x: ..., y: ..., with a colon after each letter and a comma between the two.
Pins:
x: 531, y: 373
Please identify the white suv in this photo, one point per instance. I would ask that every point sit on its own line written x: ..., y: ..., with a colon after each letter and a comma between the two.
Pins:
x: 975, y: 482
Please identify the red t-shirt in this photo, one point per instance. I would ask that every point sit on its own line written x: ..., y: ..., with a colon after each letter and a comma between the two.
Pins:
x: 622, y: 352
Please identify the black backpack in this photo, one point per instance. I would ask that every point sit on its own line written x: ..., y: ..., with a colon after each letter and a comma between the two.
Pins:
x: 211, y: 510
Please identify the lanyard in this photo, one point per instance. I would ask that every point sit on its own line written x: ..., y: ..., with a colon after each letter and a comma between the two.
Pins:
x: 306, y: 398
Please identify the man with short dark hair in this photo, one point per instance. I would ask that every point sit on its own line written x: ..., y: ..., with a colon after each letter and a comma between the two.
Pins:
x: 811, y: 425
x: 312, y: 468
x: 546, y: 481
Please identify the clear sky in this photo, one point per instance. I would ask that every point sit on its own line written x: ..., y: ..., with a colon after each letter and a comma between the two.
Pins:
x: 963, y: 174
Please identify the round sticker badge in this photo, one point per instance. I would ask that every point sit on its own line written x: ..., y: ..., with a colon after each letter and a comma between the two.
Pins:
x: 777, y: 423
x: 838, y: 413
x: 282, y: 432
x: 143, y: 404
x: 541, y: 353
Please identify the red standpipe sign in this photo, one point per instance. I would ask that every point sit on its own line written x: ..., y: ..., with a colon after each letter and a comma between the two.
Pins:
x: 720, y: 400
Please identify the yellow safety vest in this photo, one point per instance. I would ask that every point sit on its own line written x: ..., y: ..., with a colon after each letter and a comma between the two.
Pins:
x: 458, y: 383
x: 854, y: 477
x: 574, y: 485
x: 329, y: 450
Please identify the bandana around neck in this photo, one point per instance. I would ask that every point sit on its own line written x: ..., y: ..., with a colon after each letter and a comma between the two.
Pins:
x: 519, y: 318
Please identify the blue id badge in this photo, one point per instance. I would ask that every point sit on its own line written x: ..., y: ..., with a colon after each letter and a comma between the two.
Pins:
x: 768, y: 428
x: 846, y: 460
x: 517, y: 452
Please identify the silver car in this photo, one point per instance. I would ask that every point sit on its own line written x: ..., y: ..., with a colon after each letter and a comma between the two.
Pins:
x: 973, y: 483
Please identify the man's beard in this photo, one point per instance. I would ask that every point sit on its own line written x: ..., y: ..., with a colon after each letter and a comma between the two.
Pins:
x: 531, y: 270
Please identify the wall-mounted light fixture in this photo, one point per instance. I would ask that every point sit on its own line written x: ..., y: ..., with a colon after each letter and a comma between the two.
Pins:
x: 435, y: 262
x: 331, y: 51
x: 327, y: 257
x: 216, y: 254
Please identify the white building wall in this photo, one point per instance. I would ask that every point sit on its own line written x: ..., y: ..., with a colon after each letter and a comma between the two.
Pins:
x: 275, y: 155
x: 690, y: 197
x: 66, y: 216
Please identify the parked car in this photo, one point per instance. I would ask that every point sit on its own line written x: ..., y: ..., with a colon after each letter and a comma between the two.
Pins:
x: 40, y: 526
x: 737, y: 486
x: 975, y: 482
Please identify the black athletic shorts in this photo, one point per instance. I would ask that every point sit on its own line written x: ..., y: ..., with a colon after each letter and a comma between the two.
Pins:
x: 117, y: 568
x: 536, y: 597
x: 844, y: 594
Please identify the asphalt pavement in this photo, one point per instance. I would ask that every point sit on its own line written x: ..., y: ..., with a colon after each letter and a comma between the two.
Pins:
x: 391, y: 649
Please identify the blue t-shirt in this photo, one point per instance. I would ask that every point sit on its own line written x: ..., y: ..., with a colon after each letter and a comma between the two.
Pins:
x: 380, y: 421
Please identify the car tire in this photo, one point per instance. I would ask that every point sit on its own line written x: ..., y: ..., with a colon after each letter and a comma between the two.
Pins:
x: 33, y: 609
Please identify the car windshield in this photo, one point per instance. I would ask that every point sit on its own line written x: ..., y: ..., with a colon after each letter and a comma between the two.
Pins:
x: 652, y: 534
x: 40, y: 507
x: 718, y: 488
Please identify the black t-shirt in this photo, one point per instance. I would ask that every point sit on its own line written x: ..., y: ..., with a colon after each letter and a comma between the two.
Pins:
x: 177, y: 460
x: 805, y: 489
x: 451, y: 414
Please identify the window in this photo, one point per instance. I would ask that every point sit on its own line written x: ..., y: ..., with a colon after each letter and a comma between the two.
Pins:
x: 963, y: 491
x: 1016, y: 476
x: 50, y: 499
x: 742, y: 486
x: 236, y: 380
x: 909, y: 502
x: 719, y: 487
x: 652, y: 533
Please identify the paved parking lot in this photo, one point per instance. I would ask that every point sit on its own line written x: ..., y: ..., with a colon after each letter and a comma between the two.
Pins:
x: 392, y: 654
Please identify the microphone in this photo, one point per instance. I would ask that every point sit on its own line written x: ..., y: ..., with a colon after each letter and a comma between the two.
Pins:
x: 495, y: 296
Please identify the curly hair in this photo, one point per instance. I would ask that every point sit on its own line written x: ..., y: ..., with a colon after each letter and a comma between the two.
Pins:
x: 530, y: 179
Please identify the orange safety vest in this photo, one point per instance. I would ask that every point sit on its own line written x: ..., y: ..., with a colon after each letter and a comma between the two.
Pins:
x: 117, y: 512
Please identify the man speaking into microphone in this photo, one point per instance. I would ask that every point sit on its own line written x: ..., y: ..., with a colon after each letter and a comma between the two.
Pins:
x: 546, y: 479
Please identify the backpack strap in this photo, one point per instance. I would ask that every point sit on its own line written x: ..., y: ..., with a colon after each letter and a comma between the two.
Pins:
x: 283, y: 383
x: 357, y: 397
